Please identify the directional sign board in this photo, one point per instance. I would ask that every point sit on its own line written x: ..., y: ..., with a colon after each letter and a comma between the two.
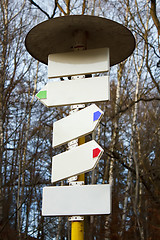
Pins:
x: 78, y: 62
x: 76, y: 125
x: 76, y: 200
x: 77, y: 91
x: 78, y: 160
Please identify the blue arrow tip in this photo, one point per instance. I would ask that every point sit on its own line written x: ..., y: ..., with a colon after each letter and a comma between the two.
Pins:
x: 96, y: 115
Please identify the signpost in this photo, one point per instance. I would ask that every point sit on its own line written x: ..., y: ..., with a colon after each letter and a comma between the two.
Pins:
x: 78, y: 62
x: 76, y: 200
x: 78, y: 160
x: 69, y: 92
x: 107, y: 43
x: 76, y: 125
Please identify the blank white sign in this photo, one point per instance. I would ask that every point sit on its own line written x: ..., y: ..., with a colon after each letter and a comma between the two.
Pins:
x: 69, y: 92
x: 76, y: 200
x: 75, y: 161
x: 78, y: 62
x: 76, y: 125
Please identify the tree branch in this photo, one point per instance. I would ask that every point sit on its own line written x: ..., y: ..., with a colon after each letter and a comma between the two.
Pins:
x: 123, y: 110
x: 153, y: 80
x: 61, y: 9
x: 147, y: 185
x: 36, y: 5
x: 154, y: 15
x: 55, y: 7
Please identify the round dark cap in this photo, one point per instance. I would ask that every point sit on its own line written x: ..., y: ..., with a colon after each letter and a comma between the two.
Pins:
x: 57, y: 36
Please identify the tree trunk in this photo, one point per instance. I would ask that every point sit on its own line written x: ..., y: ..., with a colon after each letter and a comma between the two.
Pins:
x: 133, y: 158
x: 4, y: 9
x: 113, y: 145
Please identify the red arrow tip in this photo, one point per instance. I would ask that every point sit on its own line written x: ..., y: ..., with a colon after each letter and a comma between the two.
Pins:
x: 96, y: 152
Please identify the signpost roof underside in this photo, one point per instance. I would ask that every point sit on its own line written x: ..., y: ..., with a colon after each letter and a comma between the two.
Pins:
x: 57, y: 36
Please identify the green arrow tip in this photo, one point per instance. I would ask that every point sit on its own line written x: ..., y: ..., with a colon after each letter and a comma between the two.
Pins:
x: 42, y: 94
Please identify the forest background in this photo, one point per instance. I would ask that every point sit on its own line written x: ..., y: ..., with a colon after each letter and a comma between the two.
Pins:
x: 129, y: 132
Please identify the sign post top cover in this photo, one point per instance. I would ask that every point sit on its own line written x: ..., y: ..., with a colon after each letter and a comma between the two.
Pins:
x: 48, y: 37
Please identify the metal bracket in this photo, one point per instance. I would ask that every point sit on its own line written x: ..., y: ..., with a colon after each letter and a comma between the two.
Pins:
x: 72, y: 179
x: 75, y: 108
x: 77, y: 77
x: 73, y: 144
x: 76, y: 219
x: 76, y: 183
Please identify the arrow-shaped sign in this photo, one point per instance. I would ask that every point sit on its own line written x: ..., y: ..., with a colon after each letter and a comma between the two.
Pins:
x: 77, y: 91
x: 76, y: 200
x: 78, y: 160
x: 76, y: 125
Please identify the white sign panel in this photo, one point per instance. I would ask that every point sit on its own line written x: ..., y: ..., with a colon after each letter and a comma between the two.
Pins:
x: 78, y: 160
x: 78, y: 62
x: 76, y: 200
x: 77, y: 91
x: 76, y: 125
